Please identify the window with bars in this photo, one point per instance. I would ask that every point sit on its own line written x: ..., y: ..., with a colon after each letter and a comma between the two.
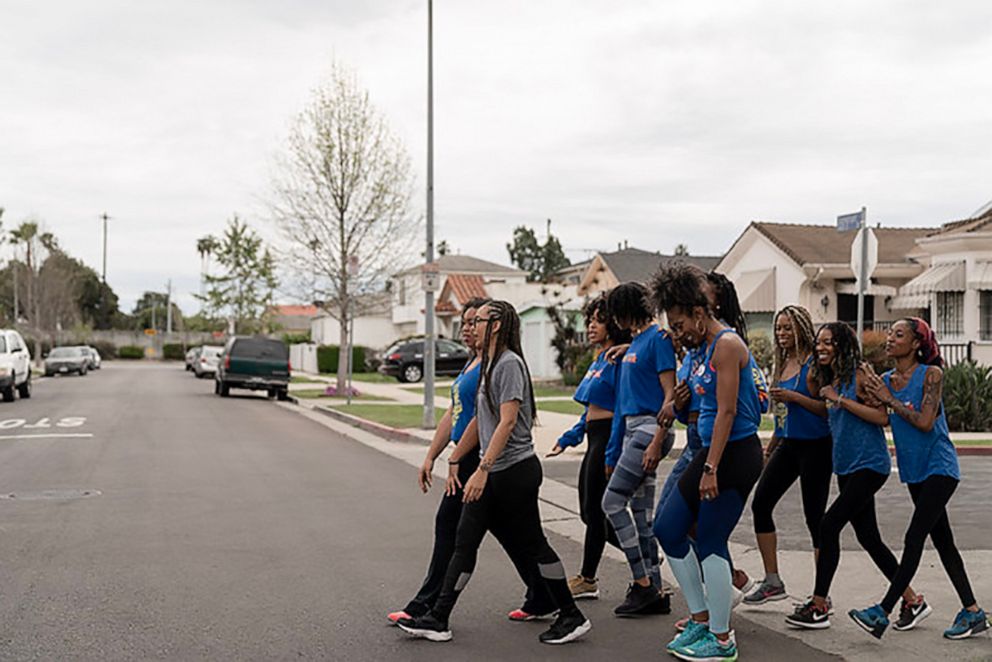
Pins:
x: 950, y: 314
x: 985, y: 314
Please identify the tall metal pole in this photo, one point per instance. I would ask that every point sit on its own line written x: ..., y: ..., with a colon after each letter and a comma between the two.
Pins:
x: 105, y: 219
x: 863, y: 276
x: 429, y: 253
x: 168, y: 309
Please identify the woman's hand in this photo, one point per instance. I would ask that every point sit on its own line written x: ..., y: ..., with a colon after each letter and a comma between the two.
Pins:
x: 425, y: 476
x: 557, y: 450
x: 452, y: 484
x: 829, y: 393
x: 875, y: 386
x: 708, y: 489
x: 681, y: 395
x: 609, y: 471
x: 667, y: 415
x: 614, y: 353
x: 475, y: 485
x: 652, y: 456
x: 782, y: 394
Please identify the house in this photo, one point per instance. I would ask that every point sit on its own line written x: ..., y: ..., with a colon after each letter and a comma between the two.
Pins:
x: 537, y: 331
x: 373, y: 323
x: 955, y: 290
x: 775, y: 264
x: 607, y: 270
x: 292, y: 319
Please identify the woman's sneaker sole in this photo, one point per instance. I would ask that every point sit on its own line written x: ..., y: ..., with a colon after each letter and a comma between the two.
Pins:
x: 821, y: 625
x: 588, y: 595
x: 430, y: 635
x: 571, y: 636
x: 916, y: 620
x: 975, y: 630
x: 769, y: 598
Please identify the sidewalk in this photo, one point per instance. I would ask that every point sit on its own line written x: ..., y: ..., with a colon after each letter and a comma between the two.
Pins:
x: 858, y: 582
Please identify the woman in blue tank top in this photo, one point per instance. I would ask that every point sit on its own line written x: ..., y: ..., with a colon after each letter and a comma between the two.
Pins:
x: 861, y: 461
x: 713, y: 490
x: 800, y: 448
x: 928, y: 464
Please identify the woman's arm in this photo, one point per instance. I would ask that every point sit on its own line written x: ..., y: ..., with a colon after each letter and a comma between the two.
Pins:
x: 728, y: 358
x: 868, y: 413
x: 465, y: 445
x: 572, y: 436
x: 442, y: 435
x: 933, y: 387
x: 507, y: 419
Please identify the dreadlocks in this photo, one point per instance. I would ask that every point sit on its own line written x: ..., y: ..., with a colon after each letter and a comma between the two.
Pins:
x: 599, y: 310
x: 507, y: 338
x: 679, y: 284
x: 847, y: 356
x: 728, y: 307
x: 628, y: 304
x: 802, y: 330
x: 929, y: 351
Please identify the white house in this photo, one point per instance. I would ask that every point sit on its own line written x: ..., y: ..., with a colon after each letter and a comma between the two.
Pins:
x: 607, y: 270
x: 373, y: 326
x: 775, y: 264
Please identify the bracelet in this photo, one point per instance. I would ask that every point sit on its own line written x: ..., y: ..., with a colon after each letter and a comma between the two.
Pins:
x: 453, y: 462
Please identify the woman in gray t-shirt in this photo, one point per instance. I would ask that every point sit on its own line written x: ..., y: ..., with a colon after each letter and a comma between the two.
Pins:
x: 501, y: 495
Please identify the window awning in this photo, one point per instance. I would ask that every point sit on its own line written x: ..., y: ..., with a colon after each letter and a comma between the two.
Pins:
x: 873, y: 289
x: 910, y: 302
x: 947, y: 277
x: 756, y: 291
x: 981, y: 276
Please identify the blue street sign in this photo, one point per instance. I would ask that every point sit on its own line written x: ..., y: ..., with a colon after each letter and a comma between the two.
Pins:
x: 850, y: 221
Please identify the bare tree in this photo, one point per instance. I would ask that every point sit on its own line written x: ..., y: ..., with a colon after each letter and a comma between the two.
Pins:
x: 341, y: 199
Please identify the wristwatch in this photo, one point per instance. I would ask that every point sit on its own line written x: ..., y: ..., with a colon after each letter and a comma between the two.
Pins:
x: 708, y: 469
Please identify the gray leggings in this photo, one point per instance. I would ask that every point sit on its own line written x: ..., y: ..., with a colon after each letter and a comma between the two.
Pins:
x: 629, y: 500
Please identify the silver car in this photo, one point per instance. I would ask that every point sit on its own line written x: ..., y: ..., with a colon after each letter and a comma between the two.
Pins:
x: 206, y: 361
x: 65, y: 360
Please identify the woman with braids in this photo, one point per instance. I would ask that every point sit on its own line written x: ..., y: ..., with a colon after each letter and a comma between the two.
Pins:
x: 713, y: 490
x: 501, y: 495
x: 637, y: 443
x: 861, y: 461
x: 928, y: 464
x: 800, y: 448
x: 598, y: 393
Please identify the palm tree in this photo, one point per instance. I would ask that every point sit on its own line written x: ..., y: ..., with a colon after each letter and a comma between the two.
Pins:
x: 26, y: 233
x: 205, y: 246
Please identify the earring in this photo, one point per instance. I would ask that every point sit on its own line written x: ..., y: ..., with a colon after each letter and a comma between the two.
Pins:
x: 699, y: 326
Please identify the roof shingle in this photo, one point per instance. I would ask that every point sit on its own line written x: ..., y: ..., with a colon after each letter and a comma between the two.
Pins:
x: 823, y: 244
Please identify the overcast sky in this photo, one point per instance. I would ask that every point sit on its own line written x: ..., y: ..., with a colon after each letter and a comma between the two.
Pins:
x: 656, y: 122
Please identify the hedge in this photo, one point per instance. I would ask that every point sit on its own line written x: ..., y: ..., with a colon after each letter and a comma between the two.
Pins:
x: 130, y: 352
x: 173, y: 352
x: 327, y: 358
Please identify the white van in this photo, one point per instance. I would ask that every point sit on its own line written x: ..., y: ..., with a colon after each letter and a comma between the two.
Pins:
x: 15, y: 365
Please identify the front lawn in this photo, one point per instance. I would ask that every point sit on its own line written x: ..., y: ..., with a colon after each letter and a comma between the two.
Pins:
x: 395, y: 416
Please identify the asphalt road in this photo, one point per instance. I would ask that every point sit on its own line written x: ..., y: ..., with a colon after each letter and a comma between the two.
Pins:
x: 174, y: 524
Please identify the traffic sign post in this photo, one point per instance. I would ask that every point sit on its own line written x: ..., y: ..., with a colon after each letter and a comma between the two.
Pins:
x: 864, y: 257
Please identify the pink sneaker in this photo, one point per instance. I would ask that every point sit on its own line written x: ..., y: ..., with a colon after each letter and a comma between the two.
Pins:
x: 520, y: 616
x: 396, y: 615
x: 681, y: 623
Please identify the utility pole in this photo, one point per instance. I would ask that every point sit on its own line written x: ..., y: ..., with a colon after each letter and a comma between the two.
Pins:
x: 105, y: 219
x: 168, y: 308
x: 429, y: 253
x: 862, y: 276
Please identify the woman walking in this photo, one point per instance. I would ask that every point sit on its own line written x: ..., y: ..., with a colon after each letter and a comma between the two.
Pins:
x: 637, y: 443
x: 501, y: 495
x: 928, y: 465
x: 712, y: 492
x: 860, y: 460
x: 800, y: 448
x: 598, y: 393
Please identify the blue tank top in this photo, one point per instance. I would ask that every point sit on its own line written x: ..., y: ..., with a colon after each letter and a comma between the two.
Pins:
x: 858, y: 444
x: 599, y: 386
x: 463, y: 401
x: 690, y: 363
x: 748, y: 417
x: 797, y: 421
x: 921, y: 454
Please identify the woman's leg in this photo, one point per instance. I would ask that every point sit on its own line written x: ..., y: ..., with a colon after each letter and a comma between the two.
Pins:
x: 815, y: 470
x: 624, y: 483
x: 672, y: 525
x: 780, y: 473
x: 592, y: 486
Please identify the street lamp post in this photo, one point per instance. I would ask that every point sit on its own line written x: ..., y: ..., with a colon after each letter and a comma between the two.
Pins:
x: 429, y: 253
x: 105, y: 219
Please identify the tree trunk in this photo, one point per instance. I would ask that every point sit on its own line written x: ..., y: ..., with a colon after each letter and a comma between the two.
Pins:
x: 343, y: 353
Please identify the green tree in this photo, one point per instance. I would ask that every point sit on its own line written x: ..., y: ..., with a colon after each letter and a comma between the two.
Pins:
x: 681, y: 250
x: 540, y: 261
x: 150, y: 312
x: 246, y: 285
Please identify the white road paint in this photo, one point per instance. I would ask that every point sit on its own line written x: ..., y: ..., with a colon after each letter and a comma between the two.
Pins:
x: 42, y: 423
x: 53, y: 435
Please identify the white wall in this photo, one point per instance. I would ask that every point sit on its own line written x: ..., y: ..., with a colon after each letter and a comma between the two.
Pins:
x: 753, y: 253
x: 536, y: 337
x: 376, y: 332
x: 303, y: 357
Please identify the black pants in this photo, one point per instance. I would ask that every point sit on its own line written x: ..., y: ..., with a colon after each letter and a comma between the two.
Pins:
x: 930, y: 519
x: 508, y: 508
x: 592, y: 486
x: 449, y: 512
x: 809, y: 461
x: 854, y: 504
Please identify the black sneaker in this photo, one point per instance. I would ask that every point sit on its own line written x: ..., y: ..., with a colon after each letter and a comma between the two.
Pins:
x: 642, y: 600
x: 426, y: 627
x: 566, y: 628
x: 911, y: 615
x: 809, y: 616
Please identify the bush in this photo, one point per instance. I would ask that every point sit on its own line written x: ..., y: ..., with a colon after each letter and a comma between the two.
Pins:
x: 968, y: 397
x: 107, y: 350
x: 873, y: 344
x: 173, y: 352
x: 762, y: 349
x: 579, y: 360
x: 296, y: 338
x: 327, y: 358
x: 130, y: 352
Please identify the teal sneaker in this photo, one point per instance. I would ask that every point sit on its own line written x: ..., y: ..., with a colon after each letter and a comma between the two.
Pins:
x: 872, y: 620
x: 691, y: 634
x: 708, y: 649
x: 967, y: 624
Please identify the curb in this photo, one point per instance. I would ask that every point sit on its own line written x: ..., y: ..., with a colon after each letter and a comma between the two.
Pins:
x: 393, y: 434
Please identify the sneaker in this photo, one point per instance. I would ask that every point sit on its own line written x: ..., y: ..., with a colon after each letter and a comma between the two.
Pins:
x: 809, y: 616
x: 521, y: 616
x: 709, y: 649
x: 582, y: 588
x: 765, y: 592
x: 566, y: 628
x: 741, y: 581
x: 690, y: 633
x: 397, y: 615
x: 426, y: 627
x: 682, y: 623
x: 643, y: 600
x: 911, y: 615
x: 967, y: 624
x: 872, y: 620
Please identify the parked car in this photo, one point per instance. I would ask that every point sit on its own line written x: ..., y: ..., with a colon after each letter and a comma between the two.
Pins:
x: 405, y: 360
x: 15, y: 366
x: 92, y: 356
x: 191, y: 357
x: 256, y: 363
x: 65, y: 360
x: 206, y: 362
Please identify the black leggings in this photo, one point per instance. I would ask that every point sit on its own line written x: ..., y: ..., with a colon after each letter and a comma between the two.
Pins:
x: 854, y: 504
x: 930, y: 518
x: 508, y: 508
x: 449, y: 512
x: 592, y: 486
x: 810, y: 461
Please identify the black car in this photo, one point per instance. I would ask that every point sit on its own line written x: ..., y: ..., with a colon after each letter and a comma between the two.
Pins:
x: 405, y: 360
x: 255, y: 363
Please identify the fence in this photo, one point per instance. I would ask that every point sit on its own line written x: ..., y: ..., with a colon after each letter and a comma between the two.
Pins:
x: 303, y: 357
x: 955, y: 353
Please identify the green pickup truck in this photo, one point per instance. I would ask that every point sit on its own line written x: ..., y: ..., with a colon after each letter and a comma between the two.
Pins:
x: 255, y: 363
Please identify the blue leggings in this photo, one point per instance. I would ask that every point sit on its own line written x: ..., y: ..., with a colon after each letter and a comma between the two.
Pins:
x: 715, y: 520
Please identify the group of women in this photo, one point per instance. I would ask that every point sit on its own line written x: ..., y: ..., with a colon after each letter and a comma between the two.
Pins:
x: 829, y: 406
